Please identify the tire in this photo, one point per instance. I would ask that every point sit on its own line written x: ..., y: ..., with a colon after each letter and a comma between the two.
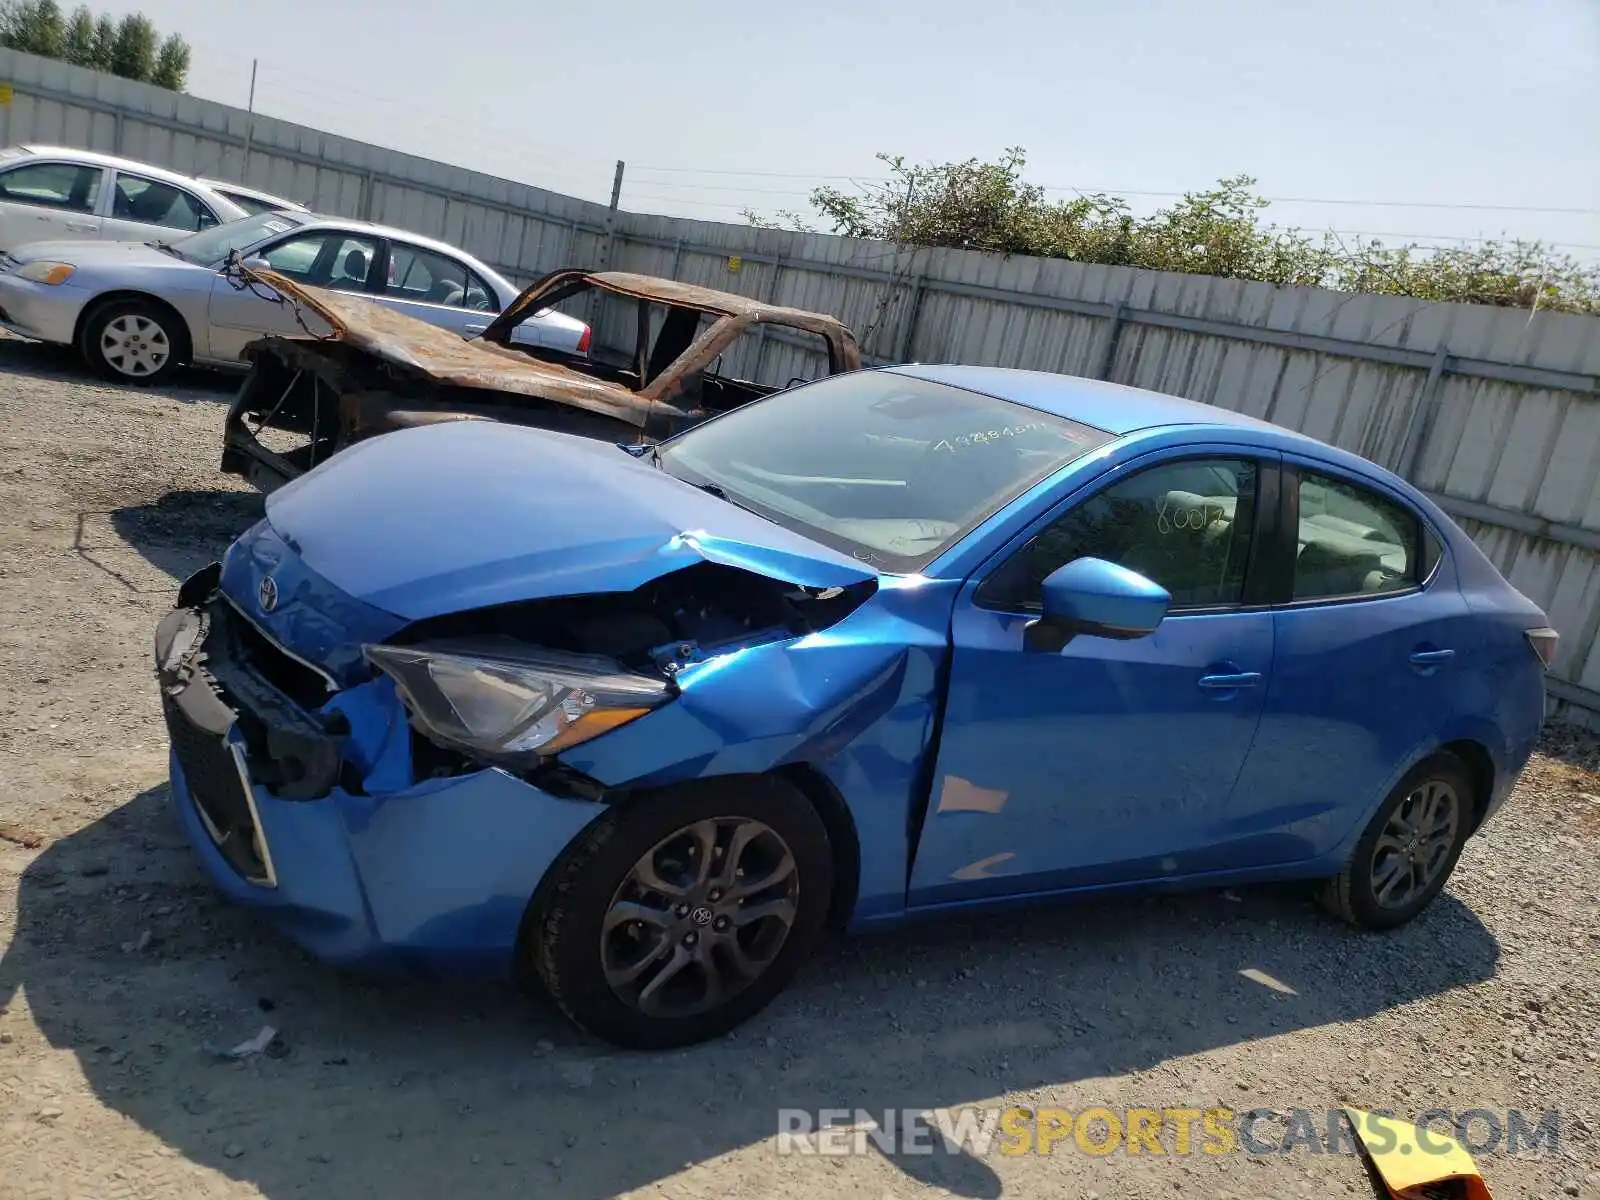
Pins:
x: 574, y: 934
x: 151, y: 338
x: 1357, y: 893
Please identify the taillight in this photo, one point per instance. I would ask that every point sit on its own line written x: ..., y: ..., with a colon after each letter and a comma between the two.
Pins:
x: 1543, y: 642
x: 583, y: 342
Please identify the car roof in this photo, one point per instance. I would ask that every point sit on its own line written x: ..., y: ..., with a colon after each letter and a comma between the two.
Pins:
x: 1113, y: 407
x: 223, y: 185
x: 1120, y: 410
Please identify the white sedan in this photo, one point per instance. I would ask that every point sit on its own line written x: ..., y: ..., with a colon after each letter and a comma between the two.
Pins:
x: 51, y: 193
x: 138, y: 310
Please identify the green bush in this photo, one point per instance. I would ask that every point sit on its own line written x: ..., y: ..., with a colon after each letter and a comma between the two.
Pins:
x: 976, y: 205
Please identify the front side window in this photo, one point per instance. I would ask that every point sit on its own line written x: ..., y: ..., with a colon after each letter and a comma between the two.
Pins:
x: 297, y: 257
x: 324, y: 260
x: 150, y: 202
x: 890, y: 469
x: 1185, y: 525
x: 1353, y: 542
x: 66, y: 186
x: 352, y: 263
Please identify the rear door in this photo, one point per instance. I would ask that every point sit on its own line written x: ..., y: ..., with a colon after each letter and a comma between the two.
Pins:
x: 142, y: 209
x: 48, y: 199
x: 1370, y: 635
x: 437, y: 288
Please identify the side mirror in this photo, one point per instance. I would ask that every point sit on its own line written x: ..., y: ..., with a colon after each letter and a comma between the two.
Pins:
x: 1098, y: 598
x: 256, y: 263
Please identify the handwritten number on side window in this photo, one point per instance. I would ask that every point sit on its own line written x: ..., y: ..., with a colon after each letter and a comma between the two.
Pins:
x: 1188, y: 518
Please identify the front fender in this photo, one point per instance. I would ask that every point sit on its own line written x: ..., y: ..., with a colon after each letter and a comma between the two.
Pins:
x: 858, y: 702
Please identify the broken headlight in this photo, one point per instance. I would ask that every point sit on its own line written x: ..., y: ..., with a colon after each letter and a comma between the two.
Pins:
x: 498, y: 698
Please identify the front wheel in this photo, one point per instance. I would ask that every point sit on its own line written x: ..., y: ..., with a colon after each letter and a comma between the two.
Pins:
x: 1410, y: 848
x: 134, y: 341
x: 682, y: 914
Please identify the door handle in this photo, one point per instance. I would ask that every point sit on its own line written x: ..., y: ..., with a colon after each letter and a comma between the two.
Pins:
x: 1243, y: 679
x: 1429, y: 658
x: 473, y: 328
x: 80, y: 228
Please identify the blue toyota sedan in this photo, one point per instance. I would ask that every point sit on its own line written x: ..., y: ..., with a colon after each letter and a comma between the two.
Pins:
x: 645, y: 722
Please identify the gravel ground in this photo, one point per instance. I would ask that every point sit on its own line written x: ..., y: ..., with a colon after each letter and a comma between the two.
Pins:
x: 120, y: 967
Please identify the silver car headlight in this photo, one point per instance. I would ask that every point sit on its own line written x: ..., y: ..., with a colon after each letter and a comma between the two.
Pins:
x: 45, y: 271
x: 498, y: 698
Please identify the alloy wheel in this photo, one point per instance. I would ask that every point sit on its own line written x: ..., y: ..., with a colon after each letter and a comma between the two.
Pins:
x: 699, y: 917
x: 135, y: 345
x: 1415, y: 845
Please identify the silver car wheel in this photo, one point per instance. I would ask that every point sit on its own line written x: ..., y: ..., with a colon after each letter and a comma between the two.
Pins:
x: 700, y: 917
x: 1415, y: 844
x: 135, y: 345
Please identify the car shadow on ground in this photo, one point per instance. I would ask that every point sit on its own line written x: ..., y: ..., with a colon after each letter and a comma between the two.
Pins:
x: 186, y: 529
x: 38, y: 360
x: 128, y: 960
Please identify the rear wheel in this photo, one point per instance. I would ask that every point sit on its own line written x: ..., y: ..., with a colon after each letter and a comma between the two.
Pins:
x: 134, y: 341
x: 1407, y: 853
x: 682, y: 914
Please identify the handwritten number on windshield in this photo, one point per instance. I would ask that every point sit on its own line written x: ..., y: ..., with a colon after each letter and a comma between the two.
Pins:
x: 985, y: 437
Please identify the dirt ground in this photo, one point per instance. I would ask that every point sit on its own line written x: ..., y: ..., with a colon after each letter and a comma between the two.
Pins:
x: 120, y: 967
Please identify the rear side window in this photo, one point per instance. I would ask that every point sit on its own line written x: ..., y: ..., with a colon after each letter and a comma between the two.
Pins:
x: 431, y: 278
x: 53, y: 185
x: 151, y: 202
x: 1354, y: 542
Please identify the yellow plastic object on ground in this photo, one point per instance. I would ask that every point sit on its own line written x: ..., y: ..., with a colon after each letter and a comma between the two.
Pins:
x: 1431, y: 1166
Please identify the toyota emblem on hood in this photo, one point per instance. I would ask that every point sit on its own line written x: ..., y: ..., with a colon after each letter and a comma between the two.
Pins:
x: 267, y: 594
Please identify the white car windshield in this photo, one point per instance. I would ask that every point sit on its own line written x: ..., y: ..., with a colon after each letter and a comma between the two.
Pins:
x: 890, y: 469
x: 215, y: 244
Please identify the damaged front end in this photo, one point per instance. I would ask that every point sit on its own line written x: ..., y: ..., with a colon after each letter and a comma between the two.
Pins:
x: 392, y: 788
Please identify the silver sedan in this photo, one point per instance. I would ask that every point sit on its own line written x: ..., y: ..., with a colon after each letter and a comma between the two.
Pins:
x: 138, y: 310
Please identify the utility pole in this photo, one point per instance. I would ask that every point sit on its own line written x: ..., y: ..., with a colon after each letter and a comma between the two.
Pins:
x: 608, y: 247
x: 250, y: 125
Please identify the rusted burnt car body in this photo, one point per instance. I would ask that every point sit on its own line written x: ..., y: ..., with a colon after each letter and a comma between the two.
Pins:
x: 362, y: 369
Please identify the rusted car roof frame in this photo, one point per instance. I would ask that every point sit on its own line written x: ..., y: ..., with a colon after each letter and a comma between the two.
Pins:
x: 488, y: 363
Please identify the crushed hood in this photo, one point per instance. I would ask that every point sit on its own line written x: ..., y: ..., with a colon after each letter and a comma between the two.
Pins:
x: 464, y: 515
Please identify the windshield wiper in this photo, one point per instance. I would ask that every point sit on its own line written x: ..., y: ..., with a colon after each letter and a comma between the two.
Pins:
x: 167, y: 248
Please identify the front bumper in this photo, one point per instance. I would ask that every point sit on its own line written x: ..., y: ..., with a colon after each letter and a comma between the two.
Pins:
x: 433, y: 877
x: 38, y: 311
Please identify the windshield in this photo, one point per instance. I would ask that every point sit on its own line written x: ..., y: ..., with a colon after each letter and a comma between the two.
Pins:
x: 215, y: 244
x: 889, y: 469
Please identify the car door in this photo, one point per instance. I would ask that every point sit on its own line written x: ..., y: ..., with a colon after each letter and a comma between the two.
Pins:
x: 142, y: 209
x: 45, y: 200
x: 437, y: 288
x: 321, y: 258
x: 1108, y: 761
x: 1369, y: 640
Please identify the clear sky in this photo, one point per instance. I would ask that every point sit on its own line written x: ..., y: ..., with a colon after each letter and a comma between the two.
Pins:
x: 716, y: 107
